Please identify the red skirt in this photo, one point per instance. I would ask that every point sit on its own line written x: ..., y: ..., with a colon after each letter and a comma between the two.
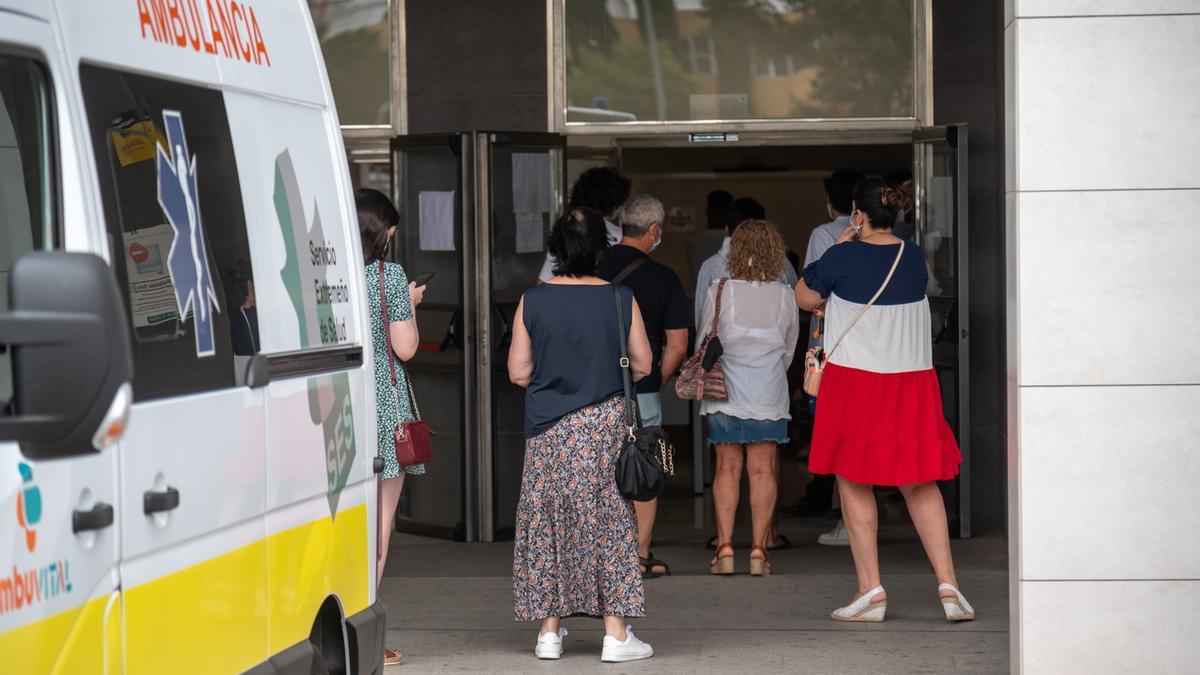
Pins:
x: 882, y: 428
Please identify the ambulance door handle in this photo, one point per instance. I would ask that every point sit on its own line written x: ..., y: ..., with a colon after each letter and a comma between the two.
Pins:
x: 156, y: 502
x: 98, y: 517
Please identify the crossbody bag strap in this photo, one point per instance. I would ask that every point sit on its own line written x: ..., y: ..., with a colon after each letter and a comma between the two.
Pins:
x: 886, y: 281
x: 629, y: 269
x: 717, y: 310
x: 626, y: 377
x: 387, y: 326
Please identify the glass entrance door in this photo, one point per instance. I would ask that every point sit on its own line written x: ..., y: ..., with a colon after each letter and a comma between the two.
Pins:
x: 524, y: 175
x: 431, y: 186
x: 475, y: 210
x: 940, y: 196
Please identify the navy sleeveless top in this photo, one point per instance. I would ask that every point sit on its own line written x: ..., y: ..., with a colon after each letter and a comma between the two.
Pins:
x: 576, y: 352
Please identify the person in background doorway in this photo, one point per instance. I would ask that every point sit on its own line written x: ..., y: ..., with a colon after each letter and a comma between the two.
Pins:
x: 243, y: 324
x: 758, y: 326
x: 839, y: 196
x: 716, y: 267
x: 575, y: 550
x: 667, y: 317
x: 879, y: 413
x: 750, y: 208
x: 377, y: 220
x: 704, y: 245
x: 603, y: 190
x: 906, y: 217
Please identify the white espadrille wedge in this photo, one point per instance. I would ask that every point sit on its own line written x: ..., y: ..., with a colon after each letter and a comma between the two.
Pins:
x: 956, y: 608
x: 865, y: 608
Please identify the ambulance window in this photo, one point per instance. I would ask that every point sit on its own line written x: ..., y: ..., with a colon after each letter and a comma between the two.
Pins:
x: 28, y: 202
x: 176, y: 229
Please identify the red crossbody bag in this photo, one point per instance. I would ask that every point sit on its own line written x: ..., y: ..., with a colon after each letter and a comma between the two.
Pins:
x: 414, y: 438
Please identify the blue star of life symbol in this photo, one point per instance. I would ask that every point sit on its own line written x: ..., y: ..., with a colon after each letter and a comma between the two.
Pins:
x: 188, y: 259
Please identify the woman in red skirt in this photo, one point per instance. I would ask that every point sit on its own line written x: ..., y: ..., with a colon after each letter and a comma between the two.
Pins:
x: 879, y: 417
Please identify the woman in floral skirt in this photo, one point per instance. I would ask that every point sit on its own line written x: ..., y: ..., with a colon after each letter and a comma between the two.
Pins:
x: 576, y: 549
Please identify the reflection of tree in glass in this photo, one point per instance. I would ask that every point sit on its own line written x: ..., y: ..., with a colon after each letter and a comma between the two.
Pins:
x: 862, y: 51
x: 624, y: 79
x: 356, y: 57
x: 601, y: 64
x: 741, y: 28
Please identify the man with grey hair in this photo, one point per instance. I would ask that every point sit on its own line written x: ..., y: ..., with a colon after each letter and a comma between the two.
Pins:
x: 667, y: 318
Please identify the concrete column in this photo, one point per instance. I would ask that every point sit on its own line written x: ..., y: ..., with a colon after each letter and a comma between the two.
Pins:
x: 1103, y: 192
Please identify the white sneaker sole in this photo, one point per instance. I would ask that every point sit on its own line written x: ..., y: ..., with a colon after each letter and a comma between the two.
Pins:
x: 833, y: 542
x: 549, y: 654
x: 623, y: 658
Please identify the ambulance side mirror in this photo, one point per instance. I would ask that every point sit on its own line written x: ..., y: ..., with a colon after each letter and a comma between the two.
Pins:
x: 68, y: 343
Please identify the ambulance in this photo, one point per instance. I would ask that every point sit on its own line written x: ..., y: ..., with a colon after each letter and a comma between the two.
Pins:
x: 187, y: 464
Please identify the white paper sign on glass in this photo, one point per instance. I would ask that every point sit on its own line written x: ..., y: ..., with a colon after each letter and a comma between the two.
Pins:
x: 531, y: 182
x: 436, y: 211
x: 530, y: 232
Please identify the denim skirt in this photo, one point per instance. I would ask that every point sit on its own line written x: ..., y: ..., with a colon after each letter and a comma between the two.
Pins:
x: 724, y: 428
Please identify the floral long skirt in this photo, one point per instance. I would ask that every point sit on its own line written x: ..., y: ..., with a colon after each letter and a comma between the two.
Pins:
x: 576, y: 537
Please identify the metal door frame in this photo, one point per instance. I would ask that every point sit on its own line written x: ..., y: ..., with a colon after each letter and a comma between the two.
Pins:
x: 484, y: 143
x: 955, y: 135
x: 463, y: 145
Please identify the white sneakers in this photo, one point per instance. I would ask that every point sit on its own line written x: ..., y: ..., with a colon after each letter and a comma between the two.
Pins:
x: 838, y: 536
x: 632, y: 649
x: 549, y: 646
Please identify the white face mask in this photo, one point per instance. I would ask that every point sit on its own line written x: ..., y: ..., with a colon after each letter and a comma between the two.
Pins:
x: 829, y: 209
x: 656, y: 241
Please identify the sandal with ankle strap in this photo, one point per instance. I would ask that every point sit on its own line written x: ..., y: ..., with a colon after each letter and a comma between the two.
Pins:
x: 759, y: 567
x: 649, y: 563
x: 722, y: 564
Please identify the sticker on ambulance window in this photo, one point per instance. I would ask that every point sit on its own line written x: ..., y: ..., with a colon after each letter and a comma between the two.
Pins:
x: 133, y: 139
x: 151, y: 293
x: 188, y: 257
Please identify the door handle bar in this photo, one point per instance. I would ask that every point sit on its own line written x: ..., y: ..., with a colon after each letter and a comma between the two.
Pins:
x: 157, y: 502
x: 98, y: 517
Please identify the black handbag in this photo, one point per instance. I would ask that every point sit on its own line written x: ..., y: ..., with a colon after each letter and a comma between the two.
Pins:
x: 647, y: 458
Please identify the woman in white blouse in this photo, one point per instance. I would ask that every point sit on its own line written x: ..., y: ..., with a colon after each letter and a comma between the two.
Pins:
x: 758, y: 327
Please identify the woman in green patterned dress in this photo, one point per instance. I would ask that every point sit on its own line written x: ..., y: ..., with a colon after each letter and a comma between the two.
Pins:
x: 377, y: 220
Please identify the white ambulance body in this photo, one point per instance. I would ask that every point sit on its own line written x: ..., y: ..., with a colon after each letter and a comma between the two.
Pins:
x: 228, y: 521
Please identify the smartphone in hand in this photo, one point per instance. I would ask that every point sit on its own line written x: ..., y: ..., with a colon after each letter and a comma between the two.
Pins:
x: 422, y: 279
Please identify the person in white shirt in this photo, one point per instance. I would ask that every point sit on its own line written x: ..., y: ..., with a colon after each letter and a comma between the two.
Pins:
x: 758, y: 327
x: 716, y: 266
x: 839, y: 194
x: 600, y: 188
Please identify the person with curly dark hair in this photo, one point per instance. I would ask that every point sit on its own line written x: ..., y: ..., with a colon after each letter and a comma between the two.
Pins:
x: 603, y: 190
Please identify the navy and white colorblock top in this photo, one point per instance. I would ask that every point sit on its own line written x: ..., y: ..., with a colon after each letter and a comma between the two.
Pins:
x: 894, y: 335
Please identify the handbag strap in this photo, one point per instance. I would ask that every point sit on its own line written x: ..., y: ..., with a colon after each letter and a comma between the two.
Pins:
x: 712, y: 332
x: 886, y: 281
x: 631, y: 421
x: 387, y: 337
x: 629, y: 269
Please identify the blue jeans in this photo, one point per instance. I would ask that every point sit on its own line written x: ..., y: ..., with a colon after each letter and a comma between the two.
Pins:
x: 650, y: 406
